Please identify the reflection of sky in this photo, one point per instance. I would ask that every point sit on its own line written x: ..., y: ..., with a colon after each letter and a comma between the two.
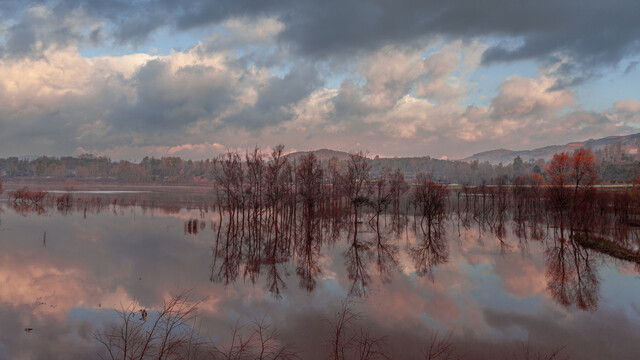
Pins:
x: 65, y: 288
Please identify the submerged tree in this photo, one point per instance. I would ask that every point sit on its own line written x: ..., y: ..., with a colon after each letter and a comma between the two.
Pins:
x: 171, y: 333
x: 355, y: 181
x: 571, y: 180
x: 168, y: 334
x: 430, y: 201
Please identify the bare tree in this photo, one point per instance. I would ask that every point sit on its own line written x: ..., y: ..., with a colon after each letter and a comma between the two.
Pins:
x: 430, y: 198
x: 168, y: 334
x: 350, y: 341
x: 440, y: 347
x: 355, y: 182
x: 171, y: 334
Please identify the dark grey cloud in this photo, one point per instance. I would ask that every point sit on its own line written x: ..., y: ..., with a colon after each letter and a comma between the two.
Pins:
x: 631, y: 67
x: 39, y: 28
x: 593, y: 33
x: 21, y: 39
x: 167, y: 101
x: 276, y: 98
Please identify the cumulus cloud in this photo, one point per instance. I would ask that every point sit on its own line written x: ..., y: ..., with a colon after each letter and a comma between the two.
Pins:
x: 41, y: 28
x: 396, y: 82
x: 398, y: 101
x: 627, y: 106
x: 529, y: 96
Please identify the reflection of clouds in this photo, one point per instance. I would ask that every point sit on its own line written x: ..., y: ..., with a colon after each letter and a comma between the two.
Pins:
x: 521, y: 276
x: 108, y: 260
x: 627, y: 268
x: 606, y: 336
x: 50, y: 290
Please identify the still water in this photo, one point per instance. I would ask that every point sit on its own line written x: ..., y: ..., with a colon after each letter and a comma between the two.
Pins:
x: 62, y: 274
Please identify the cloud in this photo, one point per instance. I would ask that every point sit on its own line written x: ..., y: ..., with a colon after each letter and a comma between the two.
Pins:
x: 243, y: 86
x: 625, y: 112
x: 529, y: 96
x: 628, y: 106
x: 276, y: 98
x: 591, y: 33
x: 42, y: 28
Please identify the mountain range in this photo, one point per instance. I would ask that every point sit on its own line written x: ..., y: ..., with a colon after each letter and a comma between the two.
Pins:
x: 628, y: 144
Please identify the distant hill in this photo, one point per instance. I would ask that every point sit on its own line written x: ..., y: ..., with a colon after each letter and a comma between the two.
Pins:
x: 322, y: 154
x: 629, y: 144
x: 619, y: 158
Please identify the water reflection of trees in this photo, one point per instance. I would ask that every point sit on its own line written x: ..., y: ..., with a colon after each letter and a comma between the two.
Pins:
x: 276, y: 214
x: 429, y: 200
x: 571, y: 272
x: 310, y: 207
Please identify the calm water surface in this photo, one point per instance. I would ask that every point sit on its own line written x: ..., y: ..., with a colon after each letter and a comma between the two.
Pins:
x: 62, y: 274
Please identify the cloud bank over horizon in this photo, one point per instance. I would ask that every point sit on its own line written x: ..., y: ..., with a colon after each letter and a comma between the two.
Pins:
x: 134, y: 79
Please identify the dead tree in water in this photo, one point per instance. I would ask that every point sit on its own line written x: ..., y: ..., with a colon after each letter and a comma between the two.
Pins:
x: 255, y: 192
x: 430, y: 199
x: 350, y: 341
x: 309, y: 177
x: 229, y: 181
x: 356, y: 189
x: 275, y: 188
x: 355, y: 183
x: 165, y: 335
x: 397, y: 187
x: 382, y: 196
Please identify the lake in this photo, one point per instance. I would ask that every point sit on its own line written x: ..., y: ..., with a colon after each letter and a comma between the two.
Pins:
x: 481, y: 289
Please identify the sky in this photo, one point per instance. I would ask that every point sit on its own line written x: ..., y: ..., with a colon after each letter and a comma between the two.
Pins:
x: 128, y: 79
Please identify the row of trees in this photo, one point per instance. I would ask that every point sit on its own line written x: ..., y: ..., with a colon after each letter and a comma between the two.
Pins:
x: 177, y: 170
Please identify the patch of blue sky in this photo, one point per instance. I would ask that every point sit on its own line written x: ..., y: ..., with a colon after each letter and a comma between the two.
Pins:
x: 485, y: 81
x: 621, y: 82
x: 432, y: 50
x: 161, y: 42
x: 335, y: 72
x: 264, y: 56
x: 281, y: 70
x: 334, y: 81
x: 166, y: 40
x: 488, y: 291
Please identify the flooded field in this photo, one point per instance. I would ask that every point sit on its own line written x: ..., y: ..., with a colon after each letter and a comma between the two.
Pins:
x: 463, y: 283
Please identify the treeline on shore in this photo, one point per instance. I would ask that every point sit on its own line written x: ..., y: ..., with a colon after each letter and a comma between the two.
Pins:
x: 175, y: 170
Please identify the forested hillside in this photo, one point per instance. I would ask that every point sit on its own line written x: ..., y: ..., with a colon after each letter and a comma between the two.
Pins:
x: 612, y: 168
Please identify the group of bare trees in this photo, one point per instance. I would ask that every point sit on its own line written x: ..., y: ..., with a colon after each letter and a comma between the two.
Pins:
x: 293, y: 207
x: 172, y: 332
x: 274, y: 192
x: 272, y: 208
